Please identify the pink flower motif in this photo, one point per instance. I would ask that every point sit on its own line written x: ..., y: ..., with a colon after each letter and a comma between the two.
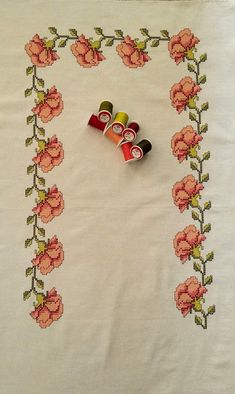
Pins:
x: 188, y: 292
x: 182, y: 92
x: 184, y: 190
x: 86, y: 55
x: 51, y: 309
x: 39, y: 53
x: 183, y: 140
x: 185, y: 241
x: 181, y: 43
x: 51, y: 206
x: 51, y: 156
x: 131, y: 55
x: 50, y: 106
x: 52, y: 257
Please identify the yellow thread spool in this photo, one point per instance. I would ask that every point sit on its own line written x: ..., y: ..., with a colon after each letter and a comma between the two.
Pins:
x: 114, y: 137
x: 120, y: 121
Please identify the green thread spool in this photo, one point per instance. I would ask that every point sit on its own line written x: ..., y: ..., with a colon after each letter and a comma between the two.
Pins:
x: 120, y: 121
x: 105, y: 111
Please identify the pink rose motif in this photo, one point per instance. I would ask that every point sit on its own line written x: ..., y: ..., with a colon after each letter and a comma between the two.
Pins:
x: 181, y: 43
x: 185, y: 241
x: 39, y: 53
x: 51, y: 156
x: 184, y: 190
x: 182, y: 92
x: 188, y: 292
x: 131, y: 55
x: 86, y: 55
x: 51, y: 206
x: 51, y: 309
x: 52, y: 257
x: 183, y: 140
x: 50, y: 106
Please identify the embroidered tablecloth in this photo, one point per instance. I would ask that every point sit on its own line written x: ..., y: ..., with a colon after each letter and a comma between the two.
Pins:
x: 117, y: 277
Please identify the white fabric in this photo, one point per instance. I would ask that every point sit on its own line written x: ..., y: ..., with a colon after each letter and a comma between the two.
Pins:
x: 120, y: 332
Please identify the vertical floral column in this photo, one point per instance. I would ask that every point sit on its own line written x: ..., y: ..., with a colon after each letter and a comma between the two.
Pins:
x: 187, y: 194
x: 48, y: 252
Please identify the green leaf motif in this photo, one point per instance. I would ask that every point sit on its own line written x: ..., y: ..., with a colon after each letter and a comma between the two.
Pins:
x: 211, y: 310
x: 192, y: 116
x: 62, y: 43
x: 52, y: 30
x: 195, y: 215
x: 28, y: 191
x: 206, y: 155
x: 30, y: 219
x: 73, y: 32
x: 207, y: 205
x: 40, y: 82
x: 41, y: 231
x: 144, y: 31
x: 119, y: 33
x: 208, y: 280
x: 30, y: 119
x: 197, y: 267
x: 28, y: 141
x: 204, y: 128
x: 165, y: 33
x: 41, y: 181
x: 202, y: 79
x: 98, y: 31
x: 28, y: 92
x: 203, y: 57
x: 28, y: 242
x: 29, y: 70
x: 30, y: 169
x: 210, y: 256
x: 207, y: 228
x: 198, y: 320
x: 205, y: 106
x: 155, y: 43
x: 193, y: 165
x: 28, y: 271
x: 40, y: 283
x: 41, y: 131
x: 109, y: 42
x: 205, y: 177
x: 26, y: 295
x: 191, y: 67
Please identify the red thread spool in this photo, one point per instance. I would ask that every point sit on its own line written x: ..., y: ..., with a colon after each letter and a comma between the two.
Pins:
x: 131, y: 131
x: 126, y: 149
x: 95, y: 122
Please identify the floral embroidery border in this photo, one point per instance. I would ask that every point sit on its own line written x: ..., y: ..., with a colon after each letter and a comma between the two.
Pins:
x: 49, y: 154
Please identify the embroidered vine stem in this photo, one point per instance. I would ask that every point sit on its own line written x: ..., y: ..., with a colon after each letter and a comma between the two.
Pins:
x: 108, y: 39
x: 36, y: 182
x: 197, y: 164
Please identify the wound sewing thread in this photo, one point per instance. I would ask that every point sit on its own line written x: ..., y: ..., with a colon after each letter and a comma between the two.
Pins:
x: 140, y: 149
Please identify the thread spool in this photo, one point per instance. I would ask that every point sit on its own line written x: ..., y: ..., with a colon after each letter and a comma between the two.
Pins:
x: 105, y: 111
x: 126, y: 150
x: 116, y: 138
x: 131, y: 131
x: 95, y: 122
x: 140, y: 149
x: 120, y: 121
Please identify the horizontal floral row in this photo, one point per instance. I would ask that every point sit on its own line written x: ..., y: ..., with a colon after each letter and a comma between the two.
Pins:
x: 87, y: 51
